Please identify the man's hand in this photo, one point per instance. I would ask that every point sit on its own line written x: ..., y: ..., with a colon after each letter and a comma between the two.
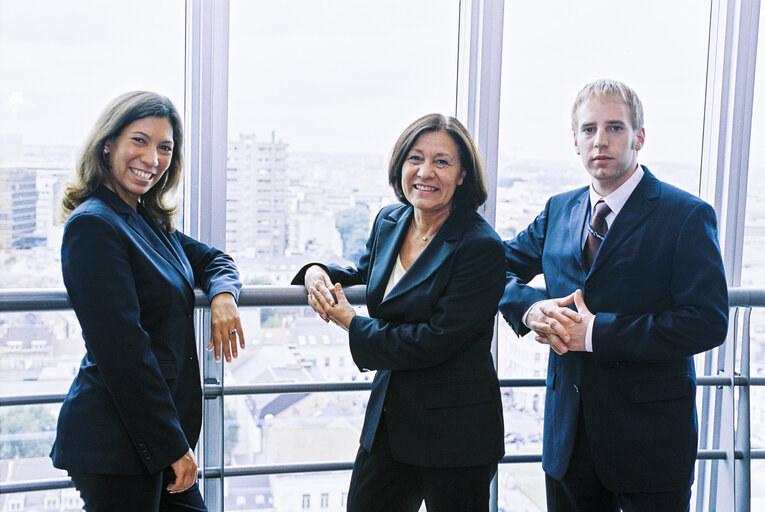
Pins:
x: 556, y: 344
x: 566, y: 331
x: 185, y: 470
x: 551, y: 320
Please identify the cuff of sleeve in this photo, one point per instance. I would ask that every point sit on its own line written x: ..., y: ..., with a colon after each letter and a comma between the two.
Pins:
x: 218, y: 291
x: 525, y: 316
x: 300, y: 276
x: 588, y: 336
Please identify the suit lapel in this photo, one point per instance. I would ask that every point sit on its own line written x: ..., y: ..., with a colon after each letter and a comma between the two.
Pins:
x: 434, y: 255
x: 576, y: 226
x: 141, y: 227
x: 641, y: 202
x: 391, y: 232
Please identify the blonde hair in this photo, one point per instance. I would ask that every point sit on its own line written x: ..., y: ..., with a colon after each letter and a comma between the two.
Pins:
x: 473, y: 191
x: 93, y: 166
x: 604, y: 89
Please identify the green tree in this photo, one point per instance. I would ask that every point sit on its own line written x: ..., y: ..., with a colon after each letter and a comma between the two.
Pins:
x: 26, y: 431
x: 353, y: 226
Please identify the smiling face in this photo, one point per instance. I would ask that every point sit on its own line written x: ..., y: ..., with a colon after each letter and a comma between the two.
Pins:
x: 607, y: 142
x: 138, y: 157
x: 432, y: 172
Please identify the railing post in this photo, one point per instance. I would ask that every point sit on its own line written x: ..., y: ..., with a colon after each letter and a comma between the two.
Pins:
x: 743, y: 467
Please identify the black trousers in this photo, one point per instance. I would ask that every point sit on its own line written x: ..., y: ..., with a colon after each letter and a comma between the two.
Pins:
x: 581, y: 490
x: 134, y: 493
x: 381, y: 484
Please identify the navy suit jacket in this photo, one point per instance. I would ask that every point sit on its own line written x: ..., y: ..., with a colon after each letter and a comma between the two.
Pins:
x: 430, y: 340
x: 658, y: 289
x: 135, y: 406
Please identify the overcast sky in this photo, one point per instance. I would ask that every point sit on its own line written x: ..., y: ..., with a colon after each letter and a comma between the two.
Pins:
x: 348, y: 76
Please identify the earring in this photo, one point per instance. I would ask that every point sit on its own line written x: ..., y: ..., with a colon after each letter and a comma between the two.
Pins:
x: 106, y: 151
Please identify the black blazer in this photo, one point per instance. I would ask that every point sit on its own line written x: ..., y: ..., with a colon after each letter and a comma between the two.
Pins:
x: 430, y: 340
x: 658, y: 289
x: 135, y: 406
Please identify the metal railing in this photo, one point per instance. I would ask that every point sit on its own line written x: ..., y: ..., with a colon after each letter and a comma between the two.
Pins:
x: 272, y: 296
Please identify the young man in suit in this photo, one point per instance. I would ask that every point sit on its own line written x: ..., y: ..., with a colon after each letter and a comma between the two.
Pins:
x: 634, y: 288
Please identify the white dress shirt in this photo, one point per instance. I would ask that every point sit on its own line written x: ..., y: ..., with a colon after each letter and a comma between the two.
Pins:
x: 615, y: 201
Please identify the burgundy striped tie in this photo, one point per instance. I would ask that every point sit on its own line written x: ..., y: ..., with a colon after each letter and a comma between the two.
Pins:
x: 596, y: 232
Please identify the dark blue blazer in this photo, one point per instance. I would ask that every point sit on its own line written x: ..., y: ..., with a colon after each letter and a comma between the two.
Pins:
x: 135, y: 406
x: 430, y: 340
x: 658, y: 289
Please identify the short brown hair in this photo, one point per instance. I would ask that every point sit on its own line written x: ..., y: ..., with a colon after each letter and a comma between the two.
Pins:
x: 473, y: 191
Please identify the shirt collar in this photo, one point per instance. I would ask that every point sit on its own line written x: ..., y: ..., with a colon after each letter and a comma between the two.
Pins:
x: 618, y: 198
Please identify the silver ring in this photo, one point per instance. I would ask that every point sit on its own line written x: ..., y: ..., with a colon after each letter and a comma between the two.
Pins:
x: 232, y: 332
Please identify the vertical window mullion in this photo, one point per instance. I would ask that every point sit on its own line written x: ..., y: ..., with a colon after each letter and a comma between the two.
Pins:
x: 478, y: 89
x: 206, y: 126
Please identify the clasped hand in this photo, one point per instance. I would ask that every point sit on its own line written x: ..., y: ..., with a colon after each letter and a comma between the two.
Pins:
x: 559, y: 326
x: 320, y: 290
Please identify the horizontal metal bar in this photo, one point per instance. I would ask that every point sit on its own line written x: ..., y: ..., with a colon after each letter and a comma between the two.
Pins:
x: 49, y: 299
x: 746, y: 297
x: 522, y: 383
x: 317, y: 467
x: 713, y: 380
x: 212, y: 391
x: 292, y: 387
x: 56, y: 398
x: 35, y: 485
x: 274, y: 469
x: 712, y: 455
x: 34, y: 299
x: 521, y: 458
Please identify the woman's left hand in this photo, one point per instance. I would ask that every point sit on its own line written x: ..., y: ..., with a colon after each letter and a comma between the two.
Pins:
x: 225, y: 326
x: 341, y: 312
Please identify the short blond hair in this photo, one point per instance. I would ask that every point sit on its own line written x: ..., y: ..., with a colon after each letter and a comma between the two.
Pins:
x: 605, y: 89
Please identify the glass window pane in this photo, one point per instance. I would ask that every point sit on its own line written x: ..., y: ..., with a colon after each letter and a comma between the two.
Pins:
x: 753, y: 265
x: 61, y: 62
x: 289, y: 428
x: 289, y: 492
x: 318, y: 94
x: 758, y: 484
x: 545, y: 65
x: 521, y: 488
x: 61, y: 66
x: 292, y: 344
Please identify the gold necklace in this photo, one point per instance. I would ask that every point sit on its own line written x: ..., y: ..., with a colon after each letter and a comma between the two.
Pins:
x: 425, y: 237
